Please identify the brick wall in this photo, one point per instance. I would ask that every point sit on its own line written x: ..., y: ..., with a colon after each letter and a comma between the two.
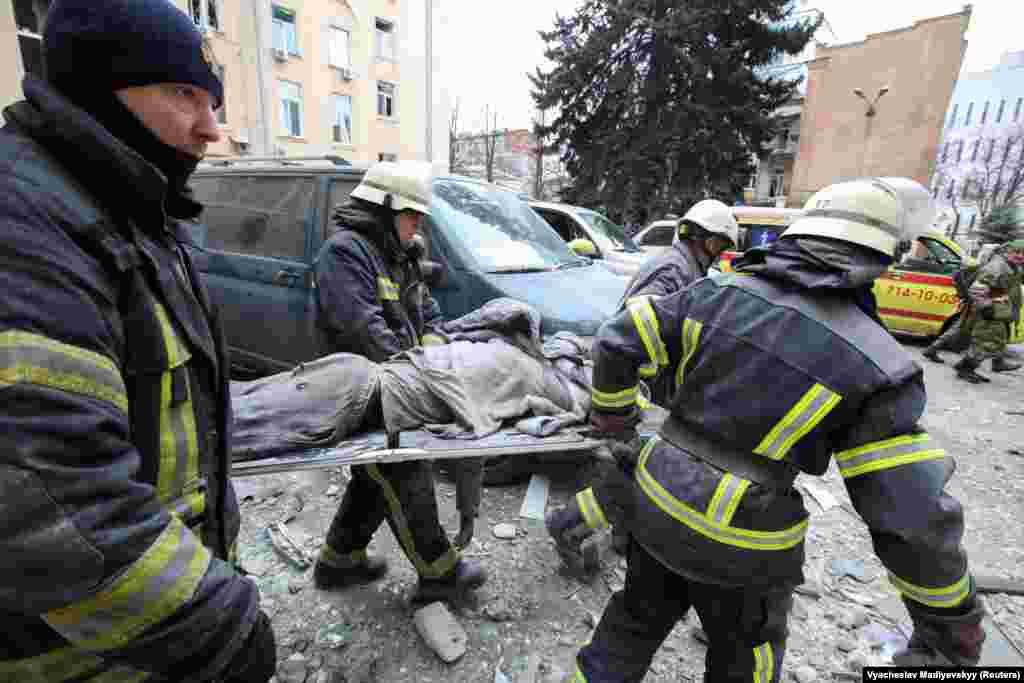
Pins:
x: 919, y: 65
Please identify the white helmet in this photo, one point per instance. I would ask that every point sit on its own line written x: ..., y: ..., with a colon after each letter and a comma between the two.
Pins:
x: 864, y: 212
x: 714, y: 217
x: 407, y: 183
x: 919, y: 209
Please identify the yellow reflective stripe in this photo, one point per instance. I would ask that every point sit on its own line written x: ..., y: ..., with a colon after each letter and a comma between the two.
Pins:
x: 433, y: 570
x: 387, y: 290
x: 179, y: 442
x: 618, y: 399
x: 802, y: 418
x: 58, y: 665
x: 764, y: 663
x: 120, y: 674
x: 702, y: 524
x: 148, y: 592
x: 28, y: 358
x: 333, y: 558
x: 646, y: 323
x: 690, y: 338
x: 647, y: 370
x: 177, y: 353
x: 727, y: 498
x: 591, y: 510
x: 948, y: 596
x: 880, y: 455
x: 431, y: 340
x: 579, y: 677
x: 642, y: 402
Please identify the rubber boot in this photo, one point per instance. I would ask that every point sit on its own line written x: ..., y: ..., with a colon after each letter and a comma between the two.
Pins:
x: 1000, y: 364
x: 965, y: 370
x: 932, y: 354
x: 466, y: 576
x: 327, y: 577
x: 570, y: 532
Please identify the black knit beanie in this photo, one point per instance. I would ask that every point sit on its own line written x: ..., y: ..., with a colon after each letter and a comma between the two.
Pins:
x: 91, y: 49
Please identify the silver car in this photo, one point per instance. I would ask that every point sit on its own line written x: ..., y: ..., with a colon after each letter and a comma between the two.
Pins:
x: 590, y: 234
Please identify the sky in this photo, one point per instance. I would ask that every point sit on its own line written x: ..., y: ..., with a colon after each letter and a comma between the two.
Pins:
x: 487, y: 46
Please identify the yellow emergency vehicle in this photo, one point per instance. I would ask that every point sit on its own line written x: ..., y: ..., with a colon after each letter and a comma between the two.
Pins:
x: 916, y: 296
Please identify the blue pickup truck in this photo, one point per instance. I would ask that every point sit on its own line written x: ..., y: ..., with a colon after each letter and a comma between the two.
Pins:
x: 265, y: 222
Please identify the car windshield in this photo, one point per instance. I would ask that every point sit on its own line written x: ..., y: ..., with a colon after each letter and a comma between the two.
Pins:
x: 605, y: 227
x: 502, y: 232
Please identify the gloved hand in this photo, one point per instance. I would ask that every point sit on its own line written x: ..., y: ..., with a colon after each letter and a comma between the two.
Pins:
x: 944, y: 640
x: 256, y: 662
x: 614, y: 426
x: 626, y: 453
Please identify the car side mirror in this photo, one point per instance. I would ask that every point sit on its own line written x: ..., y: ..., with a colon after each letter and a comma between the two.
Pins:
x: 583, y: 247
x: 434, y: 274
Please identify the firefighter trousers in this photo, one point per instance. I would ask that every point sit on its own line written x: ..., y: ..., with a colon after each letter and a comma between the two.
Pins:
x: 403, y: 494
x: 746, y: 628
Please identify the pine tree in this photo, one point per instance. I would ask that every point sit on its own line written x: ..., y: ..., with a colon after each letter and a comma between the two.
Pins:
x: 658, y: 101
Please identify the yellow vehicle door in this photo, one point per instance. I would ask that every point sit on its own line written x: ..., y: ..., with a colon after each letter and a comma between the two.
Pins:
x: 916, y: 295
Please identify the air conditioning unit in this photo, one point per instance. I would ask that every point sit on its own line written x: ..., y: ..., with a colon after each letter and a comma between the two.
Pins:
x: 280, y: 55
x: 346, y: 73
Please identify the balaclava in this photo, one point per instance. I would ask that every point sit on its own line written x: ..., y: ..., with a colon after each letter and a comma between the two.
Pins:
x: 91, y: 49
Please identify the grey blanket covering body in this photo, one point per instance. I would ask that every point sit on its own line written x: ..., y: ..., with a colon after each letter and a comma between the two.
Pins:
x: 493, y: 369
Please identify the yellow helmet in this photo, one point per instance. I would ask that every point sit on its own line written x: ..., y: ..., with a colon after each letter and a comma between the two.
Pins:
x: 863, y: 212
x: 407, y: 183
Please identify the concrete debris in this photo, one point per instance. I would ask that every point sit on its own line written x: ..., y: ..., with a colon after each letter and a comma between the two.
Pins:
x: 287, y: 546
x: 805, y: 674
x: 334, y: 635
x: 505, y: 531
x: 847, y: 644
x: 440, y: 631
x: 994, y: 584
x: 332, y: 490
x: 700, y: 635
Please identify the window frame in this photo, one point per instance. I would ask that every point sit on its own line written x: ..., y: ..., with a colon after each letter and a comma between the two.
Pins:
x: 202, y: 20
x: 392, y: 97
x: 999, y: 112
x: 984, y: 113
x: 336, y: 98
x: 333, y: 30
x: 952, y: 116
x: 286, y: 120
x: 970, y: 113
x: 290, y: 47
x: 378, y: 40
x: 222, y: 112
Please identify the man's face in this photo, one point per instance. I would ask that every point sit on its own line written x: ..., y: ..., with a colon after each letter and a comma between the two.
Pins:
x: 408, y: 225
x: 181, y: 115
x: 716, y: 245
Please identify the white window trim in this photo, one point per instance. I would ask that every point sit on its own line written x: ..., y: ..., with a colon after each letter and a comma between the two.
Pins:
x: 297, y: 52
x: 334, y: 119
x: 284, y: 122
x: 394, y: 102
x: 348, y: 46
x: 204, y: 15
x: 393, y: 57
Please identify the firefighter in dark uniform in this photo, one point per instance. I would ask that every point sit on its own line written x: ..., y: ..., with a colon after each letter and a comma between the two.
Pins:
x: 707, y: 229
x: 781, y: 366
x: 372, y: 301
x: 118, y: 521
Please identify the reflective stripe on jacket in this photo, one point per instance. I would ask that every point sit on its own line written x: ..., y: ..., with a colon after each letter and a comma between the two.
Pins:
x: 117, y: 517
x: 788, y: 374
x: 667, y: 273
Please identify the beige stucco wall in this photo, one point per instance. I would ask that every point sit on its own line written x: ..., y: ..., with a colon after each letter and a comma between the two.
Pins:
x: 10, y: 56
x: 919, y: 64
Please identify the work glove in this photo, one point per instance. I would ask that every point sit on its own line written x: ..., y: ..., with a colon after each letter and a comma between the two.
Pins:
x: 256, y: 662
x: 614, y: 426
x: 944, y: 640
